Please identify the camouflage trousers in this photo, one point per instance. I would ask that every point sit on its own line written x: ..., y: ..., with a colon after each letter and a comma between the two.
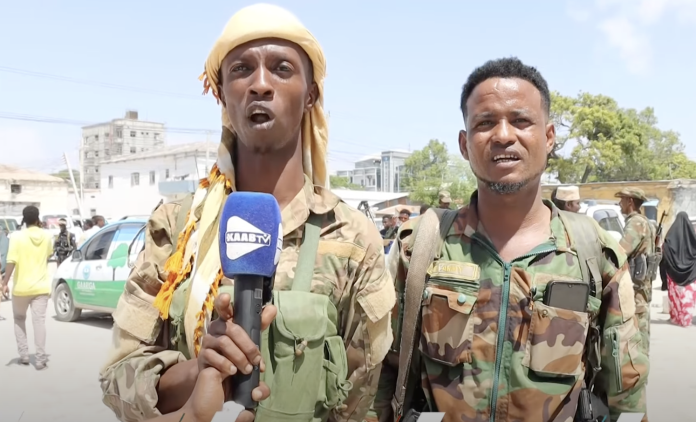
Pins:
x: 642, y: 298
x: 381, y: 410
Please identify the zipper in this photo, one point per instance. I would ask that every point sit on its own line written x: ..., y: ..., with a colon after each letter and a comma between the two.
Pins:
x: 502, y: 318
x: 617, y: 360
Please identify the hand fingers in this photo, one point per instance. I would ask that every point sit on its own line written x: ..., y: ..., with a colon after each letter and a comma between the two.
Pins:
x: 239, y: 338
x: 223, y: 307
x: 209, y: 357
x: 268, y: 314
x: 260, y: 393
x: 245, y: 416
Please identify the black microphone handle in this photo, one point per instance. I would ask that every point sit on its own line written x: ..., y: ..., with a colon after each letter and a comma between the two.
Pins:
x: 248, y: 302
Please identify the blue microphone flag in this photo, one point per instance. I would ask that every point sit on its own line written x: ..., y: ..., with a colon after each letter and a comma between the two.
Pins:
x: 251, y: 235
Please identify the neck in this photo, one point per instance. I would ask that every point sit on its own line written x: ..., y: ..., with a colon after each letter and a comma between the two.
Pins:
x: 505, y: 215
x: 279, y: 173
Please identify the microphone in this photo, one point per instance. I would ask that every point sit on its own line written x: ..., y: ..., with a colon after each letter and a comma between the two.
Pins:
x: 251, y: 239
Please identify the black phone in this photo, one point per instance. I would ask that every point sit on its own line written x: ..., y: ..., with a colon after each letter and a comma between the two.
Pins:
x: 571, y: 295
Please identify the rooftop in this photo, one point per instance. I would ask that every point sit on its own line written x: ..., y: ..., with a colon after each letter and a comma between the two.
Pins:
x: 168, y: 151
x: 23, y: 175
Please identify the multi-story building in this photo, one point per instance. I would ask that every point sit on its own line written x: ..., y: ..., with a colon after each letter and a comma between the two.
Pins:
x: 135, y: 184
x: 379, y: 172
x: 117, y: 138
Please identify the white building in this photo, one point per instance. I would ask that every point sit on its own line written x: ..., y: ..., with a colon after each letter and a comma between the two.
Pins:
x: 378, y: 172
x: 120, y: 137
x: 20, y: 188
x: 134, y: 185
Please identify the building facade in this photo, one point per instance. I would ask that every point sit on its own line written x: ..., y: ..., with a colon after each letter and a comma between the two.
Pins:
x: 20, y: 188
x: 118, y: 138
x: 379, y: 172
x: 135, y: 184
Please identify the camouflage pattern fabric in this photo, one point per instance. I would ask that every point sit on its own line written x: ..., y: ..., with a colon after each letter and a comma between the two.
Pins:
x: 350, y: 270
x: 639, y: 239
x: 491, y: 350
x: 635, y: 193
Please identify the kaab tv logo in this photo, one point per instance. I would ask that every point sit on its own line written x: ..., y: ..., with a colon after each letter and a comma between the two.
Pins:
x: 242, y: 238
x: 438, y: 417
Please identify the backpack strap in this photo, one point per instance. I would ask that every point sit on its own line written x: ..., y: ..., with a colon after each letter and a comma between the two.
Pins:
x: 584, y: 239
x: 181, y: 219
x: 430, y: 236
x: 304, y: 270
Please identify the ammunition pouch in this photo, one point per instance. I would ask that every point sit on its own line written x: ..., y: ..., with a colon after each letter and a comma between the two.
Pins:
x: 639, y: 268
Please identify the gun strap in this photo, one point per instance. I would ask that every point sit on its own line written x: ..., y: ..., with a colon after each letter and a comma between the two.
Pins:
x: 429, y: 238
x: 304, y: 270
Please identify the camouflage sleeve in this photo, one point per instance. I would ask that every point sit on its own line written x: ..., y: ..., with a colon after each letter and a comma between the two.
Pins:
x: 634, y: 232
x: 137, y: 351
x: 367, y: 332
x: 625, y: 363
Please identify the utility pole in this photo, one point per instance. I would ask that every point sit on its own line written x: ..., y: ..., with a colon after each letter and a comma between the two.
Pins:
x: 75, y: 191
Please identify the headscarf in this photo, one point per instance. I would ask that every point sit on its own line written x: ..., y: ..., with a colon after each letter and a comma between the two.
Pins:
x: 197, y: 256
x: 679, y: 251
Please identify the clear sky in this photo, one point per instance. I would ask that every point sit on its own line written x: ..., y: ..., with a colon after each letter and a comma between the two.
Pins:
x: 395, y: 68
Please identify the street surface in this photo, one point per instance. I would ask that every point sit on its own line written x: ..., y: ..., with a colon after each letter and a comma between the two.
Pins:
x: 68, y: 390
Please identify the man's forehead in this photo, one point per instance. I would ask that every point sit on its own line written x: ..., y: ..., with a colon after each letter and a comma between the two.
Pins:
x: 504, y: 91
x: 271, y: 44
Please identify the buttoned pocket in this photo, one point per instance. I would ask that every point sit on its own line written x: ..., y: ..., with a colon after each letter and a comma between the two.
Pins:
x: 556, y: 341
x: 446, y: 330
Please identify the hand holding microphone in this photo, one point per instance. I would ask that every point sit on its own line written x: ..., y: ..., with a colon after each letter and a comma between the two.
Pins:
x: 250, y: 245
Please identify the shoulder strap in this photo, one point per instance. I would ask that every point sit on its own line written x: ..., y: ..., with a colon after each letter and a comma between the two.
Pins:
x: 584, y: 239
x: 181, y: 219
x: 430, y: 236
x: 304, y: 270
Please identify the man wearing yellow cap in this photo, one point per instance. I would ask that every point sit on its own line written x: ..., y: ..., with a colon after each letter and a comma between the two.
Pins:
x: 321, y: 355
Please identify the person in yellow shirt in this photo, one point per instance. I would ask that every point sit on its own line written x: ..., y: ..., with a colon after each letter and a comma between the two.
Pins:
x: 27, y: 258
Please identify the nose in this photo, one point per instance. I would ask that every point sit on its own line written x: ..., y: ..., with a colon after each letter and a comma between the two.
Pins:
x: 261, y: 84
x: 504, y: 133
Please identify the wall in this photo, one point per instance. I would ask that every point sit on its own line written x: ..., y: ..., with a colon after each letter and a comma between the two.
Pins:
x: 50, y: 197
x: 122, y: 198
x: 674, y: 195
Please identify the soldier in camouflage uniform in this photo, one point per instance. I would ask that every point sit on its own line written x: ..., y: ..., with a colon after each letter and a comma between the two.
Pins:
x: 490, y: 348
x: 158, y: 351
x: 638, y: 242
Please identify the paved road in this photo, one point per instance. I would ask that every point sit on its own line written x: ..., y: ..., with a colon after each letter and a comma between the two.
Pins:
x: 68, y: 391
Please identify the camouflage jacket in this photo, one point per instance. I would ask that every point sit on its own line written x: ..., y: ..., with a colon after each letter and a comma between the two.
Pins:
x: 638, y: 238
x: 491, y: 350
x: 350, y: 269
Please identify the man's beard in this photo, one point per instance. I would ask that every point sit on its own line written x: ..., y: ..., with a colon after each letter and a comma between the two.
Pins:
x: 507, y: 188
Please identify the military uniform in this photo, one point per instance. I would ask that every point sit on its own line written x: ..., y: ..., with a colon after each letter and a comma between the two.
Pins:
x: 638, y: 242
x: 491, y: 350
x: 349, y: 269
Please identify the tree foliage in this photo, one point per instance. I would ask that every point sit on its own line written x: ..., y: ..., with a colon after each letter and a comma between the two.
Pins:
x: 65, y: 175
x: 432, y: 169
x: 338, y: 182
x: 610, y: 143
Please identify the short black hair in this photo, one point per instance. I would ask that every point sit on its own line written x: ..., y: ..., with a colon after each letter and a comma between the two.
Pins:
x: 405, y: 211
x: 30, y: 216
x: 510, y: 67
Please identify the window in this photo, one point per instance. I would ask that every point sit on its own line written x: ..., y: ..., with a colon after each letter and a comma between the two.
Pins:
x: 96, y: 169
x: 166, y: 174
x: 111, y: 182
x: 138, y: 243
x: 98, y: 247
x: 135, y: 179
x: 96, y: 153
x: 119, y: 133
x: 96, y: 185
x: 152, y: 177
x: 608, y: 220
x: 133, y: 150
x: 156, y: 135
x: 15, y: 188
x: 132, y: 134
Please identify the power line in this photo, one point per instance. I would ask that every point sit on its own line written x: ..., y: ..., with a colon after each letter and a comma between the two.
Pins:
x: 24, y: 72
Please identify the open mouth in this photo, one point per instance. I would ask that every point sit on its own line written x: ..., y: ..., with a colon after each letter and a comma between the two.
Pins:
x: 505, y: 158
x: 259, y: 117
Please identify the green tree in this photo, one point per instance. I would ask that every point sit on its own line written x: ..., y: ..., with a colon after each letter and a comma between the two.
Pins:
x: 118, y: 258
x: 613, y: 143
x: 432, y: 169
x: 65, y: 175
x: 338, y: 182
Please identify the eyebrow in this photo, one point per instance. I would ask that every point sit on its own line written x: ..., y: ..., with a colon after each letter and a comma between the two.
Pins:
x: 489, y: 114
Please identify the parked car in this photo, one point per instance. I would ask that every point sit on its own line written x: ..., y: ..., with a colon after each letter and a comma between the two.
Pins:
x: 608, y: 215
x: 94, y: 277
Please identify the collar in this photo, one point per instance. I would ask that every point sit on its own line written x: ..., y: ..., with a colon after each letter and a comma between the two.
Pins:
x: 310, y: 198
x: 467, y: 223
